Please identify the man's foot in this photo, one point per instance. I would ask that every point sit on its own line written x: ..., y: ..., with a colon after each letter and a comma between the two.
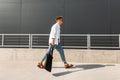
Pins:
x: 68, y: 65
x: 40, y: 65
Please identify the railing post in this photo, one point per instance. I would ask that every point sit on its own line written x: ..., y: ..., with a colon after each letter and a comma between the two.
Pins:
x: 2, y: 40
x: 88, y: 41
x: 119, y: 40
x: 31, y: 40
x: 30, y: 44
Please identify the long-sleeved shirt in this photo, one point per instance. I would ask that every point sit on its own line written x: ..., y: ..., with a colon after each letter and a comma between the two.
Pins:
x: 55, y: 33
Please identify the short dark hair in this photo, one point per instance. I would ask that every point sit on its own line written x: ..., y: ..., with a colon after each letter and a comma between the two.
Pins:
x: 58, y: 17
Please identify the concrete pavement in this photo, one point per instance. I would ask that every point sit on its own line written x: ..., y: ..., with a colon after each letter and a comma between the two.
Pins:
x: 17, y: 70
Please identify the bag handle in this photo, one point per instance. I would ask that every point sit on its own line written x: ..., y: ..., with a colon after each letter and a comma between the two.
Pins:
x: 52, y: 48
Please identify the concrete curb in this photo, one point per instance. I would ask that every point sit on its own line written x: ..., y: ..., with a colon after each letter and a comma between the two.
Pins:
x: 72, y: 55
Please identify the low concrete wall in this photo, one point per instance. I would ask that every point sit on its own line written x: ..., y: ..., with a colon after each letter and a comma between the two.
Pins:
x: 72, y: 55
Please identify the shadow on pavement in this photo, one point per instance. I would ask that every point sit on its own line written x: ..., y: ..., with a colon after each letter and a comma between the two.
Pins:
x: 64, y: 73
x: 91, y: 66
x: 87, y: 66
x: 82, y: 67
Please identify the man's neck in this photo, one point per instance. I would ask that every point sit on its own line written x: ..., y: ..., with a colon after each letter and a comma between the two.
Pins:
x: 58, y: 23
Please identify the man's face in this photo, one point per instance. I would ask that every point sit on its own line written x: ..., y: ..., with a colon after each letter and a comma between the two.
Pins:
x: 60, y: 21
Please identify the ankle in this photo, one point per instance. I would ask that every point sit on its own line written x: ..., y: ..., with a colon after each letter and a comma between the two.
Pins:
x: 65, y: 63
x: 40, y: 62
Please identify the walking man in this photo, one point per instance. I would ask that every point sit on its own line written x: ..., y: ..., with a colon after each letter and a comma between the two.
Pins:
x: 54, y: 40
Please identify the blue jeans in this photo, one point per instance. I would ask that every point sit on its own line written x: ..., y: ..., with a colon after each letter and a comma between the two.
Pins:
x: 58, y: 48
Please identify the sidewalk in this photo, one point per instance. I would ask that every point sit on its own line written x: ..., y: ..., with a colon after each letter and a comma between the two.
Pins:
x: 80, y: 71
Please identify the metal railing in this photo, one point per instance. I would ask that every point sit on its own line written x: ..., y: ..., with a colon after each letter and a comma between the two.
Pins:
x: 87, y: 41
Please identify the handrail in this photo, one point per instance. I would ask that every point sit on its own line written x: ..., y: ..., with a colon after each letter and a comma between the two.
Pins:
x: 87, y: 41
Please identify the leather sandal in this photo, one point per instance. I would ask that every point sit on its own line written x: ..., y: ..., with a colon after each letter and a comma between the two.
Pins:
x: 40, y: 66
x: 68, y: 66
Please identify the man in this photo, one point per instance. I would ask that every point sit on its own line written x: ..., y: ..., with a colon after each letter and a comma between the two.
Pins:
x: 54, y: 40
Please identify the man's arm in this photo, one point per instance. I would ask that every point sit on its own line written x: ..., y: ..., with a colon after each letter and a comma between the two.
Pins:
x: 53, y: 35
x: 53, y: 41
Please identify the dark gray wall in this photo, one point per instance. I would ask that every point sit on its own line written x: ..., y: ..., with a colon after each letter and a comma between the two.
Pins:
x: 10, y: 16
x: 80, y: 16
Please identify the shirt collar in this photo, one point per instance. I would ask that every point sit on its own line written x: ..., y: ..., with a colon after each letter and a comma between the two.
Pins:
x: 57, y: 24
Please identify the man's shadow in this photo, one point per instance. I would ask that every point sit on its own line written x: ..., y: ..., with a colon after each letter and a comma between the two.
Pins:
x: 82, y: 67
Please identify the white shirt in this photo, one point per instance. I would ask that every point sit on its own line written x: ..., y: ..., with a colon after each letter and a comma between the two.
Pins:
x: 55, y: 33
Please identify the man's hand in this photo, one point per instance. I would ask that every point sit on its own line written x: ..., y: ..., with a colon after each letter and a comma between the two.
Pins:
x: 53, y: 41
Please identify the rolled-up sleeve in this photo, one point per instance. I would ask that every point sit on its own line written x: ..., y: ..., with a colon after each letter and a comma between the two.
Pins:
x: 53, y: 32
